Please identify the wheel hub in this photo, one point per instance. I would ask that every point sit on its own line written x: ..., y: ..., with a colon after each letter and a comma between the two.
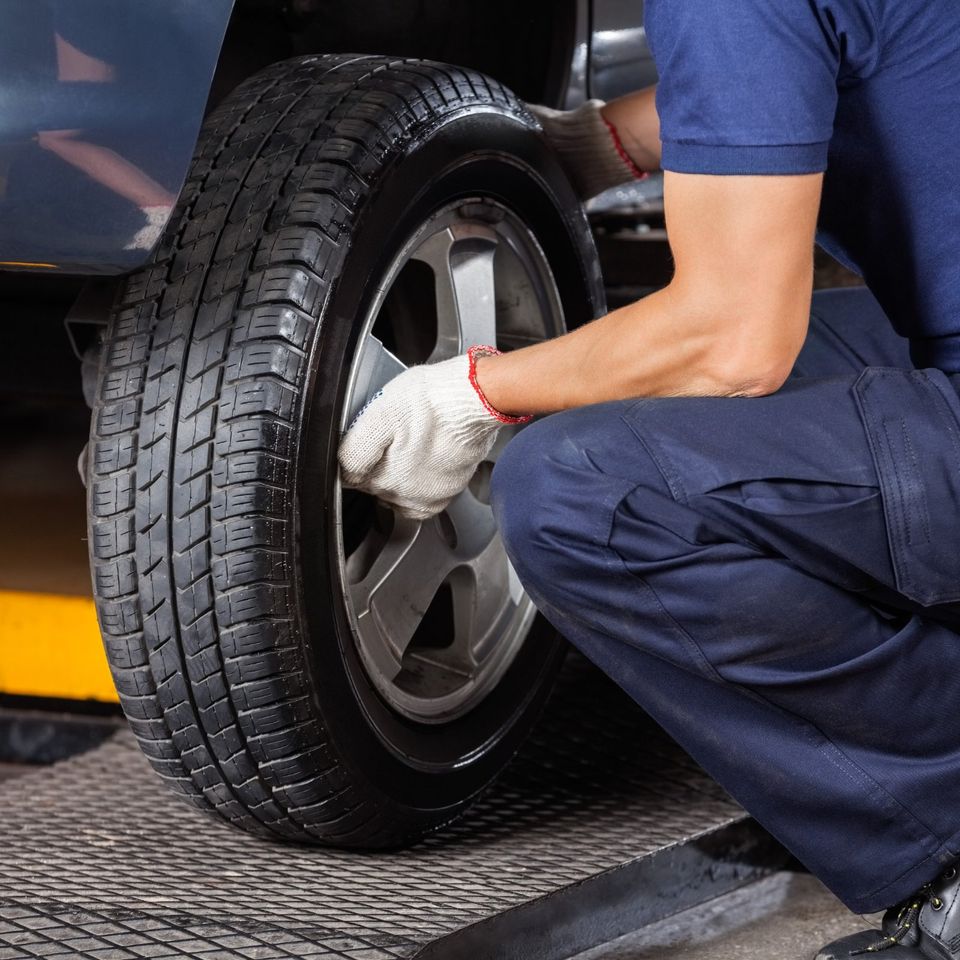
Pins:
x: 437, y: 612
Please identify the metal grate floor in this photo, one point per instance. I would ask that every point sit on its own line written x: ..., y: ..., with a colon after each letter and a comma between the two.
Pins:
x: 600, y: 825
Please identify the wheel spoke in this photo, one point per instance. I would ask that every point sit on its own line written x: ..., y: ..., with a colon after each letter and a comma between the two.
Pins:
x: 481, y: 585
x: 471, y: 263
x: 461, y: 258
x: 391, y: 600
x: 473, y: 525
x: 482, y: 596
x: 378, y: 366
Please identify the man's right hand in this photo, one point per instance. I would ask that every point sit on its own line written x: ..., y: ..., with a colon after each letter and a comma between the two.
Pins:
x: 419, y: 441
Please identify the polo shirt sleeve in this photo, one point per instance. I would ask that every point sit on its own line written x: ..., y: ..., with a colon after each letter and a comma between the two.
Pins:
x: 746, y: 86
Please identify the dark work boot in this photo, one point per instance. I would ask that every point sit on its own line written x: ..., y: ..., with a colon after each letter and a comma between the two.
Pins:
x: 924, y: 927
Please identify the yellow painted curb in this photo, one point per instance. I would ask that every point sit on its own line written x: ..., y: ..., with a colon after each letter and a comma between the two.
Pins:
x: 50, y: 647
x: 28, y: 263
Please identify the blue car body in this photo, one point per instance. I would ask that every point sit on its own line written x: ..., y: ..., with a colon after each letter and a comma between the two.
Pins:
x: 101, y: 102
x: 100, y: 105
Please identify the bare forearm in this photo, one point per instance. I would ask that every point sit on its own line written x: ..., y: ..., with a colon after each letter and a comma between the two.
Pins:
x: 731, y: 323
x: 660, y: 346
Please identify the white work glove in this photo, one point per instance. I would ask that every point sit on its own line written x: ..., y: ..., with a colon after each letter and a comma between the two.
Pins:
x: 419, y: 441
x: 588, y: 146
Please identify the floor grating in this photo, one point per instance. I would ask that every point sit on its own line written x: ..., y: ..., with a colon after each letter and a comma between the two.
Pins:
x: 600, y: 825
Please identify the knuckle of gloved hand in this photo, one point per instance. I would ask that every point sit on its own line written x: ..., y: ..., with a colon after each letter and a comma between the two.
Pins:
x: 367, y: 414
x: 349, y: 474
x: 413, y: 511
x: 407, y: 383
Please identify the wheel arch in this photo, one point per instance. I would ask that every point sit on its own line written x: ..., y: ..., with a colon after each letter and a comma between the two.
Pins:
x: 531, y: 46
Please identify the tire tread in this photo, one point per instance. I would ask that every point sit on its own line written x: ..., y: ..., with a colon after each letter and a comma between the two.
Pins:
x: 192, y: 442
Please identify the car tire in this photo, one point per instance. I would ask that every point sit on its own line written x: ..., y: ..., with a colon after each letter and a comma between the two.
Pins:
x: 221, y: 543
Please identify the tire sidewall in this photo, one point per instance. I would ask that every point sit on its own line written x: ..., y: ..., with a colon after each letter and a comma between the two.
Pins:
x: 477, y: 151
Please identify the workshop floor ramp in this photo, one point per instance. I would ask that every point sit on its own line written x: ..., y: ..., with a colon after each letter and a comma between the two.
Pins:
x: 600, y: 825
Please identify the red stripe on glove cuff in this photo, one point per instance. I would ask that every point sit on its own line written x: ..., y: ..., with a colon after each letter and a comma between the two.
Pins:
x: 474, y: 354
x: 622, y: 150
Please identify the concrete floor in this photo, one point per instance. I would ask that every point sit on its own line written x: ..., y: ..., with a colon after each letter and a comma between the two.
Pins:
x: 788, y: 916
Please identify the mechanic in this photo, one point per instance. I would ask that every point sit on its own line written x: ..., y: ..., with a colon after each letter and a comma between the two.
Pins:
x: 746, y: 508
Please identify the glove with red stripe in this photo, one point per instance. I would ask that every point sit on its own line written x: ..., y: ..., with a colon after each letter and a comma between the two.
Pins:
x: 419, y: 441
x: 588, y: 146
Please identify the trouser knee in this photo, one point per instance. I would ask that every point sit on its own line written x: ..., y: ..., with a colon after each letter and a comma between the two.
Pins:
x: 556, y: 488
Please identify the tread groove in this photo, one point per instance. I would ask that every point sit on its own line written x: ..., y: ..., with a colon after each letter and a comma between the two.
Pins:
x: 193, y: 540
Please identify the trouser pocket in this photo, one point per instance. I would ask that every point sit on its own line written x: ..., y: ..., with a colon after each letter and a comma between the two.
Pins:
x: 912, y: 421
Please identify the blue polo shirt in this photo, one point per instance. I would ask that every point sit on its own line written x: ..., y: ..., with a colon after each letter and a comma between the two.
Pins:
x: 866, y: 90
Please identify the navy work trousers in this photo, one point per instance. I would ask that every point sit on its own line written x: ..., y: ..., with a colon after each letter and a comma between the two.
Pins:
x: 776, y: 581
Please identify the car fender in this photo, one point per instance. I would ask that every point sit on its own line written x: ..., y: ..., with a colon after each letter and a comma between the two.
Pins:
x: 101, y: 102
